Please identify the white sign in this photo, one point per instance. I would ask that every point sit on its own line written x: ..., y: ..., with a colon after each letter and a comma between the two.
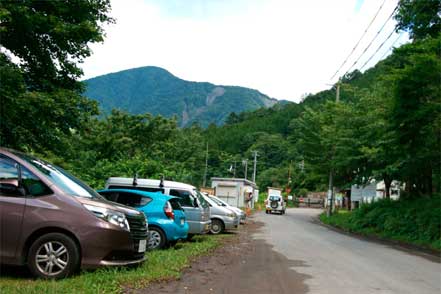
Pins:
x: 289, y: 197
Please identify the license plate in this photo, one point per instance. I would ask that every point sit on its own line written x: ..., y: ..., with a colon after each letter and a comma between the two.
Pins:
x: 142, y: 245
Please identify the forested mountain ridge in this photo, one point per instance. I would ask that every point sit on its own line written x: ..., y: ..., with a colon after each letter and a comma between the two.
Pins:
x: 156, y: 91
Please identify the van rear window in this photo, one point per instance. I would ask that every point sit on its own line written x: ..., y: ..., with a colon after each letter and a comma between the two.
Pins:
x: 147, y: 189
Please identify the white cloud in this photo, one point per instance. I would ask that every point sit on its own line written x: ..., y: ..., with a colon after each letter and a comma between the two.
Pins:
x: 281, y: 48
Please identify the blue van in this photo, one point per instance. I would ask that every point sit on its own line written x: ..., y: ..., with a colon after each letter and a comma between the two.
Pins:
x: 167, y: 222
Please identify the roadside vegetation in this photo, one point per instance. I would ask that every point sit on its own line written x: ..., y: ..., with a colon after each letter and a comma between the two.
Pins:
x: 415, y: 220
x: 386, y: 125
x: 160, y: 265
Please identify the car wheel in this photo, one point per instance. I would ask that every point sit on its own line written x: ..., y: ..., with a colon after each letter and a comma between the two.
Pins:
x: 266, y: 211
x: 53, y: 256
x: 217, y: 226
x: 157, y: 238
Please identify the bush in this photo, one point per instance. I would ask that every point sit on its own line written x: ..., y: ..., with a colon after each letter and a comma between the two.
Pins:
x: 414, y: 220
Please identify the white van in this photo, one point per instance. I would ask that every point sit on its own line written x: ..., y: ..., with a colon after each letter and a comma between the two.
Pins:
x: 197, y: 210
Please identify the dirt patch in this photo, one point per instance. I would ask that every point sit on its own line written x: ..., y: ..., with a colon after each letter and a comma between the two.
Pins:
x: 241, y: 265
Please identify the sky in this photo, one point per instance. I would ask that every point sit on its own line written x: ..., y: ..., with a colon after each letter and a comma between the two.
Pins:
x: 283, y: 48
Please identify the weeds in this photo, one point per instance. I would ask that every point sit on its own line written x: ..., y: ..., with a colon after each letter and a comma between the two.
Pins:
x: 416, y: 220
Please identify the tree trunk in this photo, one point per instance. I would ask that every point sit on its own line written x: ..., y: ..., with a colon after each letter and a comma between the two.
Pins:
x: 387, y: 183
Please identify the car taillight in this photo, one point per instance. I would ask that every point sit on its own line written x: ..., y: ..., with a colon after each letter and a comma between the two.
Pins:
x: 168, y: 210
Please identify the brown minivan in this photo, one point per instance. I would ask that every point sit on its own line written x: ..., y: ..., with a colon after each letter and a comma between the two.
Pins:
x: 56, y: 224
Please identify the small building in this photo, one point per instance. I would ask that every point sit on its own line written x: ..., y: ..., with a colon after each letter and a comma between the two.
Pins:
x: 235, y: 192
x: 374, y: 191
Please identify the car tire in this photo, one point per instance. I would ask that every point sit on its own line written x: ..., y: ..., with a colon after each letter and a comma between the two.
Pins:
x: 217, y: 226
x: 53, y: 256
x: 157, y: 238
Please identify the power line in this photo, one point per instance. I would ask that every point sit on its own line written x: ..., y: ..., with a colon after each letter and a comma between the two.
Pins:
x: 362, y: 36
x: 393, y: 44
x: 379, y: 47
x: 376, y: 35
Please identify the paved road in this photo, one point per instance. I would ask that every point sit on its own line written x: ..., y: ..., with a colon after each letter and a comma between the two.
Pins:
x: 338, y: 263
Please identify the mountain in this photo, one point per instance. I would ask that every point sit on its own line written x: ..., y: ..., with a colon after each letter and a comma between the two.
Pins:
x: 156, y: 91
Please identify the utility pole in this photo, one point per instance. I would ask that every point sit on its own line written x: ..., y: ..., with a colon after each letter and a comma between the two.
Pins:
x: 255, y: 163
x: 337, y: 96
x: 331, y: 171
x: 206, y: 167
x: 245, y: 162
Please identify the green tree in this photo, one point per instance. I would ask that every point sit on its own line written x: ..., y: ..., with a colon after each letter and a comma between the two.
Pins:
x: 51, y: 37
x: 421, y: 18
x: 37, y: 120
x: 326, y: 139
x: 40, y: 96
x: 416, y: 113
x: 377, y: 137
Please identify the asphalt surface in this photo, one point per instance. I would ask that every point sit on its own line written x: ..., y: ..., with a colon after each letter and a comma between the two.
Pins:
x: 332, y: 262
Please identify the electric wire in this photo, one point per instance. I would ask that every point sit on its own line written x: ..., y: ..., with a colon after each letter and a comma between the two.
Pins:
x: 393, y: 44
x: 376, y: 35
x: 362, y: 36
x: 378, y: 49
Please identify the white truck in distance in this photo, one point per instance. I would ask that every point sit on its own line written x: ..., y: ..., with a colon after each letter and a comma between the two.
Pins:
x: 274, y: 202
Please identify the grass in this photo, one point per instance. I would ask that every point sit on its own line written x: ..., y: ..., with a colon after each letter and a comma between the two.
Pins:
x: 415, y: 221
x: 160, y: 265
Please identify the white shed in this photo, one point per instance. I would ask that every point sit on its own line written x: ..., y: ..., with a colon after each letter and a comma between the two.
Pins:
x: 235, y: 191
x: 373, y: 191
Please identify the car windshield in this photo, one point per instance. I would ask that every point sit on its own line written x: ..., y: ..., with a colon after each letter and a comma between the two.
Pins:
x: 201, y: 199
x: 215, y: 200
x: 61, y: 178
x: 220, y: 201
x: 210, y: 201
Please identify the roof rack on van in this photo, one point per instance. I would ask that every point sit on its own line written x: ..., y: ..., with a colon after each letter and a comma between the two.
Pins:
x: 161, y: 182
x: 135, y: 179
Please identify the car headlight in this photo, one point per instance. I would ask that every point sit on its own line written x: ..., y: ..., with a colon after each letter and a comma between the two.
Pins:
x: 114, y: 217
x: 231, y: 215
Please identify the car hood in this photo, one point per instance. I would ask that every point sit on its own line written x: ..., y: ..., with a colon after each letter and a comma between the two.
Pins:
x: 110, y: 205
x: 235, y: 209
x: 219, y: 210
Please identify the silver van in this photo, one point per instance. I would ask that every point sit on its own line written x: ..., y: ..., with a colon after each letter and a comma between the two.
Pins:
x: 221, y: 218
x: 197, y: 210
x: 242, y: 215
